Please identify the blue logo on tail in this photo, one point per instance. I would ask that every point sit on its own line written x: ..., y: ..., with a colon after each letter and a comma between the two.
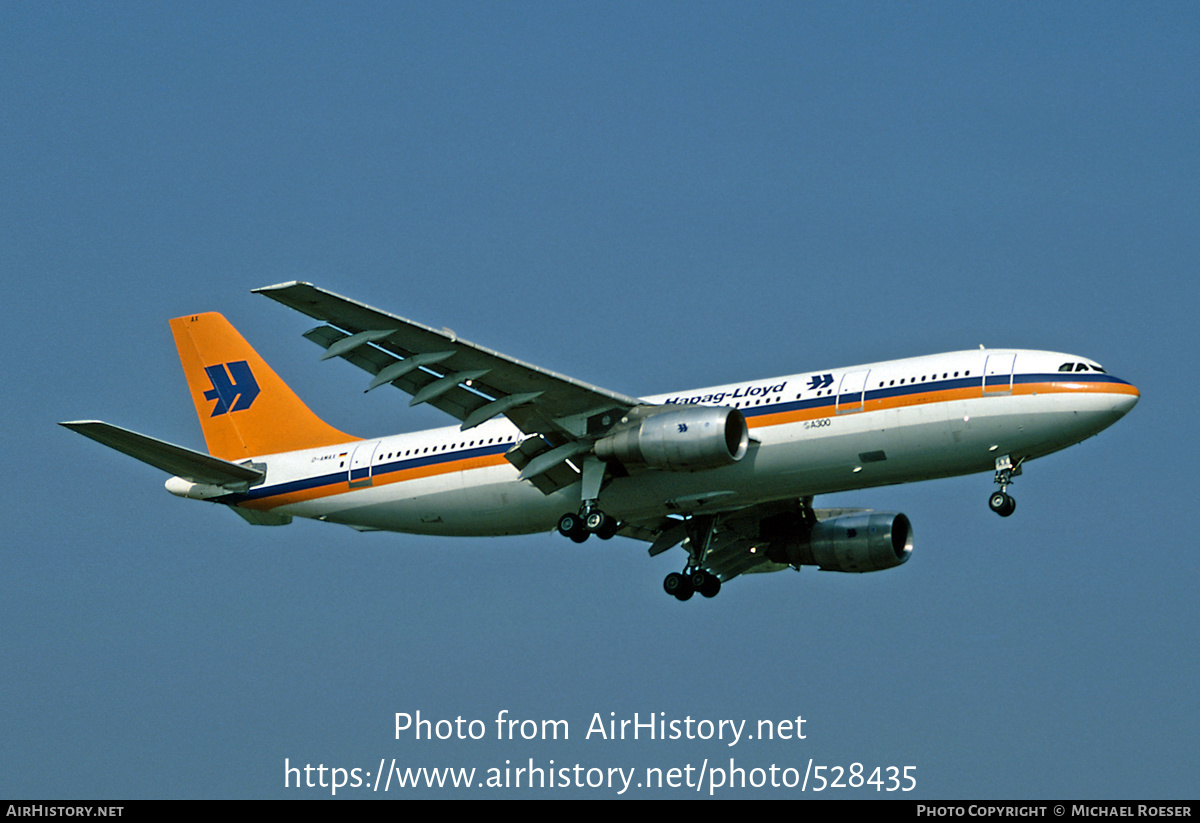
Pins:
x: 234, y: 390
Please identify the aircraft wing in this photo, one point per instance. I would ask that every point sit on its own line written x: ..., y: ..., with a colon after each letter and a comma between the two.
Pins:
x: 468, y: 381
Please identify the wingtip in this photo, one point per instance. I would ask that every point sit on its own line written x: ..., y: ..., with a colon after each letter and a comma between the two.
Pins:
x: 279, y: 286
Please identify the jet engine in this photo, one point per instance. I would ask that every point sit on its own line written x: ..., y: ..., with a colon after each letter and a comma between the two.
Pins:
x: 861, y: 542
x: 692, y: 438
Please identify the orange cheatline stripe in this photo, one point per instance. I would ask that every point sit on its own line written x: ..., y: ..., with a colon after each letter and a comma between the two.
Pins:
x: 342, y: 486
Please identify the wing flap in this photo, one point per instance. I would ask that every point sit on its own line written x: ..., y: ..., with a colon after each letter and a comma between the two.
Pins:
x: 740, y: 557
x: 548, y: 475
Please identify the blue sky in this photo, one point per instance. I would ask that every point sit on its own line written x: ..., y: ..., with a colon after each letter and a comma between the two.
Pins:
x: 649, y: 197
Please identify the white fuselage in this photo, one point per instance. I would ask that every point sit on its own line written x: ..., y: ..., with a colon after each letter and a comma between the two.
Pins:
x: 812, y: 434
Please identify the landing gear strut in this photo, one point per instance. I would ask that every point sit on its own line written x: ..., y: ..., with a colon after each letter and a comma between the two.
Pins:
x: 1001, y: 502
x: 694, y: 577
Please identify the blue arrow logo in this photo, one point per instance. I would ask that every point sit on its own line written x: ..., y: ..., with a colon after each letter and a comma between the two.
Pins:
x: 233, y: 387
x: 820, y: 381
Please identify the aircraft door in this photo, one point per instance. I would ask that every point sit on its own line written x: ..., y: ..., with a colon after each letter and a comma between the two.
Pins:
x: 998, y: 374
x: 851, y: 391
x: 360, y: 464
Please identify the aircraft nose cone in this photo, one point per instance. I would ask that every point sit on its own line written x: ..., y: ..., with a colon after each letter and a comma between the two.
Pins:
x: 1125, y: 402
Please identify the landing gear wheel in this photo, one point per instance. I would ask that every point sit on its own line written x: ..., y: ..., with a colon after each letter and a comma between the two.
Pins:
x: 705, y: 583
x: 571, y: 525
x: 595, y: 521
x: 678, y: 586
x: 609, y: 529
x: 567, y: 524
x: 1002, y: 504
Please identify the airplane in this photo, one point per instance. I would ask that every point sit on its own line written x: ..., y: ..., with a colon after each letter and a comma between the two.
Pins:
x: 728, y: 473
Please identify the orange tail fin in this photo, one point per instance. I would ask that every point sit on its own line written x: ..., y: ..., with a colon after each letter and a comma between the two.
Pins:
x: 245, y: 409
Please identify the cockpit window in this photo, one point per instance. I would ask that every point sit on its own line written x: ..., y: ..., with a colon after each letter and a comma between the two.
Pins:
x: 1081, y: 367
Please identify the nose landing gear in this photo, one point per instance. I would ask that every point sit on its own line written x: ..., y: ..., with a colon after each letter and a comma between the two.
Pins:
x: 1001, y: 502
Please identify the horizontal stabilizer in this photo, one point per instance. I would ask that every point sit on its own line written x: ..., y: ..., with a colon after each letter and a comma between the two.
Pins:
x: 190, y: 465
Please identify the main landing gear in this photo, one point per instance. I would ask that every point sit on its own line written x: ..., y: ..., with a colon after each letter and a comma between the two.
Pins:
x: 694, y: 577
x: 1001, y: 502
x: 589, y: 521
x: 682, y: 586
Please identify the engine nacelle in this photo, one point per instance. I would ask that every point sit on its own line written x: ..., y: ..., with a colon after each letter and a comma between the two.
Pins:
x: 692, y: 438
x: 859, y: 542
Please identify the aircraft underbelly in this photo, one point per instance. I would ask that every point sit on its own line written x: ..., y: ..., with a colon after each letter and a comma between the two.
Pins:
x: 486, y: 501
